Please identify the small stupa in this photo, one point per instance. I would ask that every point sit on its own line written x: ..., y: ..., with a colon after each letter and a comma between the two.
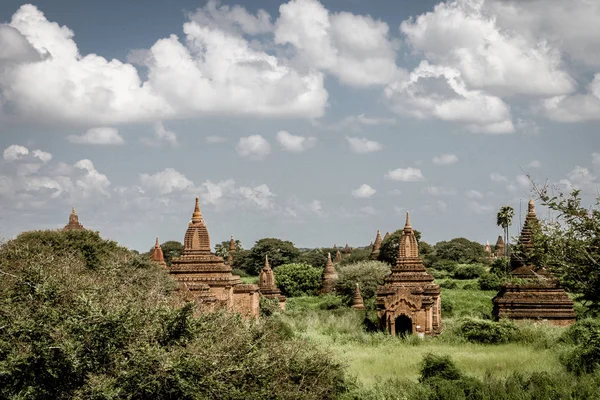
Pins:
x: 232, y: 250
x: 357, y: 300
x: 158, y: 256
x: 338, y: 257
x: 73, y: 224
x: 267, y: 285
x: 376, y: 246
x: 488, y: 249
x: 540, y: 296
x: 409, y: 301
x: 499, y: 250
x: 330, y: 276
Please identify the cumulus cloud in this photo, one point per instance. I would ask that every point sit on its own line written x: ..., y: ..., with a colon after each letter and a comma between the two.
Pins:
x: 577, y: 107
x: 233, y: 19
x: 364, y: 191
x: 405, y: 175
x: 162, y: 136
x: 15, y: 152
x: 227, y: 194
x: 445, y: 159
x: 43, y: 156
x: 580, y: 178
x: 356, y: 49
x: 254, y: 147
x: 434, y: 91
x: 295, y: 143
x: 91, y: 181
x: 363, y: 145
x: 465, y: 36
x: 165, y: 181
x: 523, y: 181
x: 479, y: 208
x: 102, y: 136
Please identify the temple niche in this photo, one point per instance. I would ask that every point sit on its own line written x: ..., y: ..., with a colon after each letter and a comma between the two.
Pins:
x: 376, y: 246
x: 539, y: 296
x: 205, y: 278
x: 409, y: 301
x: 73, y: 224
x: 267, y: 285
x: 330, y: 276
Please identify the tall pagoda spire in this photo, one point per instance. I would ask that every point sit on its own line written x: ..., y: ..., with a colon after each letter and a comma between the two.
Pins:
x: 158, y: 255
x: 330, y: 275
x: 520, y: 261
x: 231, y: 251
x: 376, y: 246
x: 196, y: 238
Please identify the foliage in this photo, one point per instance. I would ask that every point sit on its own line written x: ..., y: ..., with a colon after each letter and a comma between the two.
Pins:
x: 489, y: 281
x: 323, y: 302
x: 388, y: 251
x: 298, y: 279
x: 357, y: 255
x: 222, y: 249
x: 279, y: 251
x: 459, y: 250
x: 74, y: 328
x: 580, y: 332
x: 171, y: 249
x: 315, y: 257
x: 438, y: 366
x: 468, y: 271
x: 500, y: 267
x: 504, y: 220
x: 570, y: 246
x: 368, y: 274
x: 241, y: 259
x: 449, y: 284
x: 584, y: 358
x: 488, y: 332
x: 240, y: 272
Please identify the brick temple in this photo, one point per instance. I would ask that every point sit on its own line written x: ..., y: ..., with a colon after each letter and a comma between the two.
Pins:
x: 73, y: 224
x: 267, y: 285
x: 409, y: 302
x: 205, y: 278
x: 539, y: 297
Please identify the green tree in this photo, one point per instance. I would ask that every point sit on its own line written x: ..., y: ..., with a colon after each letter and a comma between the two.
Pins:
x: 171, y: 249
x: 368, y: 274
x: 279, y: 251
x: 222, y: 249
x: 460, y: 250
x: 504, y: 220
x: 315, y: 257
x: 569, y: 245
x: 298, y: 279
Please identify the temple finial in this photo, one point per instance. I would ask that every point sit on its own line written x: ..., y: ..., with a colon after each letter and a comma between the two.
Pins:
x: 531, y: 207
x: 156, y: 244
x: 267, y: 261
x: 73, y: 210
x: 407, y: 225
x: 197, y: 215
x: 328, y: 256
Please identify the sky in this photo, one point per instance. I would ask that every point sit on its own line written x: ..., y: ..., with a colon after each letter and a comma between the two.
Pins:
x: 315, y: 122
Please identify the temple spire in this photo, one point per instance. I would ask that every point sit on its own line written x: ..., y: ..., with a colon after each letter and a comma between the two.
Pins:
x: 157, y: 254
x: 197, y: 215
x: 407, y: 225
x: 267, y: 266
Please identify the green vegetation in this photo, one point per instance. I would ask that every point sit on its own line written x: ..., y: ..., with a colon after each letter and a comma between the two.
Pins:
x: 298, y: 279
x: 368, y: 274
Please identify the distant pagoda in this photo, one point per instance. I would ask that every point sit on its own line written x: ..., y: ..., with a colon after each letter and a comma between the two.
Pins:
x: 330, y: 276
x: 338, y: 257
x: 232, y: 250
x: 376, y: 246
x: 409, y: 301
x: 267, y: 285
x: 540, y: 296
x: 73, y: 224
x: 357, y: 300
x: 499, y: 249
x: 158, y: 256
x: 198, y: 269
x: 347, y: 249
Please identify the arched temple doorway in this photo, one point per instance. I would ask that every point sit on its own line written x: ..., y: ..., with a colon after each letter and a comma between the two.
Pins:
x: 403, y: 326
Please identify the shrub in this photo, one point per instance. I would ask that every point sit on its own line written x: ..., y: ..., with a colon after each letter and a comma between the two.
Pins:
x: 468, y: 271
x: 240, y: 272
x: 489, y: 281
x: 368, y: 274
x: 489, y: 332
x: 581, y: 331
x: 444, y: 265
x: 449, y: 284
x: 470, y: 286
x: 500, y: 266
x: 298, y: 279
x: 585, y: 357
x: 74, y: 329
x: 438, y: 366
x: 447, y: 307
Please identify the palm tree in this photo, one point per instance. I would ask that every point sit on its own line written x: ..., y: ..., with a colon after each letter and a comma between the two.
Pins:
x: 504, y: 219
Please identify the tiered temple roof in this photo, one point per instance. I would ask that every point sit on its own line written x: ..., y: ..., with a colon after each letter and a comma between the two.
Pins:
x: 409, y: 291
x: 330, y: 276
x: 357, y: 300
x: 157, y: 255
x: 540, y: 296
x: 267, y: 285
x: 73, y: 224
x: 376, y: 246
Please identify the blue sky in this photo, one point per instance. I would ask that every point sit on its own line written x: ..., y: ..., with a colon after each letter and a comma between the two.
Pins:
x: 316, y: 122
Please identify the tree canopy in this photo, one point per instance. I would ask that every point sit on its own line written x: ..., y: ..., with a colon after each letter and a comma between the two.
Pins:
x: 279, y: 251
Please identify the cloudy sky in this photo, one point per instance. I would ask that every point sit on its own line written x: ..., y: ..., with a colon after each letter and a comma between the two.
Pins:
x: 316, y: 122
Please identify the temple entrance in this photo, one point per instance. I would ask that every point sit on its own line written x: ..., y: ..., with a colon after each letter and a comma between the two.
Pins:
x: 403, y: 326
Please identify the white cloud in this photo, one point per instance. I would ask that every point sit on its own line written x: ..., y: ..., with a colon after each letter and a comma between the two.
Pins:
x: 445, y: 159
x: 295, y: 143
x: 577, y: 107
x: 212, y: 139
x: 433, y: 91
x: 364, y: 191
x: 254, y: 147
x: 102, y: 136
x: 534, y: 164
x: 15, y: 152
x: 162, y: 136
x: 464, y: 35
x: 474, y: 194
x: 363, y: 145
x: 405, y: 175
x: 233, y: 19
x: 354, y: 48
x: 496, y: 177
x: 580, y: 178
x: 43, y: 156
x: 261, y: 196
x: 92, y: 181
x: 226, y: 194
x: 165, y: 181
x: 316, y: 207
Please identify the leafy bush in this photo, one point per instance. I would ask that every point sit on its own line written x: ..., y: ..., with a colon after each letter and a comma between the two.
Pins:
x: 444, y: 265
x: 240, y: 272
x: 368, y: 274
x: 468, y: 271
x: 279, y: 251
x: 71, y: 328
x: 449, y: 284
x: 584, y: 358
x: 500, y: 267
x: 581, y: 331
x: 489, y: 281
x: 470, y: 286
x: 438, y: 366
x: 298, y: 279
x: 489, y: 332
x: 357, y: 255
x: 447, y: 307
